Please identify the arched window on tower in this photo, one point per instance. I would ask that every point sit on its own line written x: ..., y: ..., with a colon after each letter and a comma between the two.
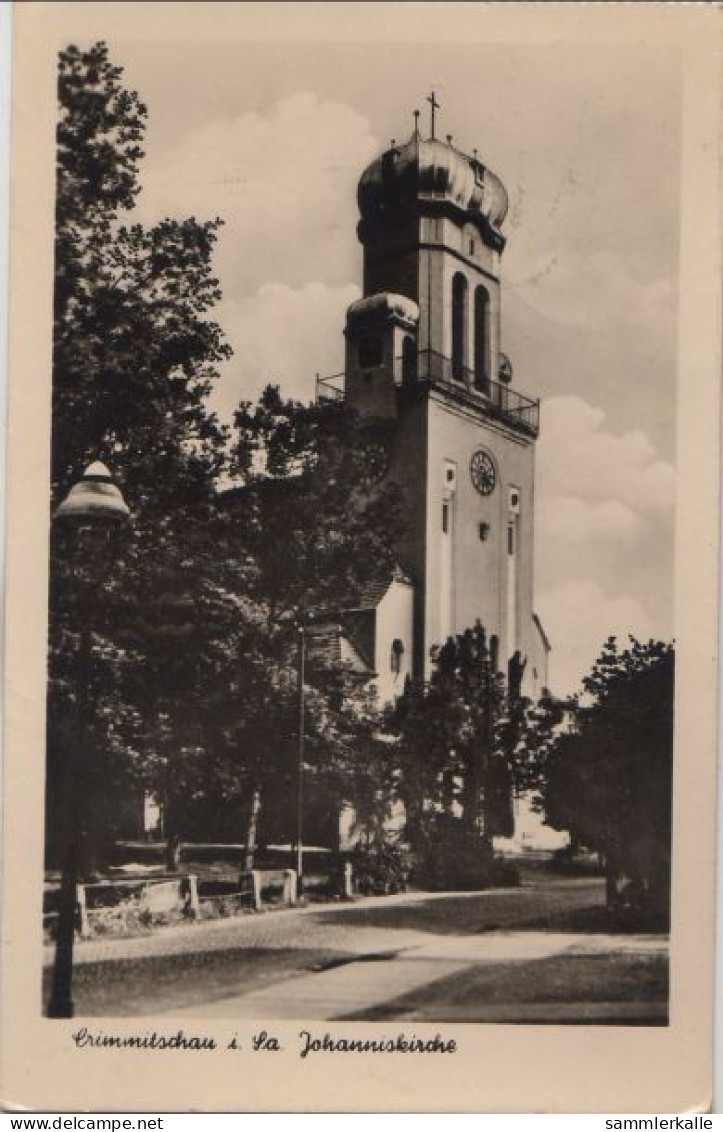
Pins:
x: 459, y: 325
x: 481, y: 339
x: 409, y: 360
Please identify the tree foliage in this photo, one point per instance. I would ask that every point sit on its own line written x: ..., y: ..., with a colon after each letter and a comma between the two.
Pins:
x: 135, y: 352
x: 193, y: 685
x: 459, y: 747
x: 317, y: 526
x: 607, y: 776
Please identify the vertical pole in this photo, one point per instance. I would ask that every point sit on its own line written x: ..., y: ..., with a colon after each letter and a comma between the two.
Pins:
x: 300, y: 782
x: 82, y: 906
x: 429, y: 309
x: 61, y: 999
x: 251, y: 830
x: 194, y: 905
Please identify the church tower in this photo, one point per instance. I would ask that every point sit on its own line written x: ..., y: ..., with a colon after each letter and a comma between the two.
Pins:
x: 423, y: 349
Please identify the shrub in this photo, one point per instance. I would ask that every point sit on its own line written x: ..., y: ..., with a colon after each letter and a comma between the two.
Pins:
x: 449, y: 857
x: 380, y: 868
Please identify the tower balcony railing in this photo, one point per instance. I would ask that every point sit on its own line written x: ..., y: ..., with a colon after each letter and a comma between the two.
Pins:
x: 498, y: 399
x: 330, y: 388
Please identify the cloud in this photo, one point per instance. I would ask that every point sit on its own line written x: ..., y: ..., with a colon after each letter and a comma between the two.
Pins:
x: 284, y: 336
x: 604, y: 527
x: 277, y: 179
x: 594, y: 291
x: 580, y: 458
x: 579, y: 616
x: 284, y: 182
x: 576, y: 521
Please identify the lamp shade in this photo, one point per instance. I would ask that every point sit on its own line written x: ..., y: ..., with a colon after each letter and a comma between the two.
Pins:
x: 94, y: 499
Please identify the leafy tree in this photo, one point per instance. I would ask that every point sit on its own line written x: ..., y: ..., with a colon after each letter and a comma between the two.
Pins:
x: 459, y: 740
x: 317, y: 530
x: 607, y: 778
x: 192, y: 670
x: 538, y: 734
x: 134, y: 351
x: 317, y: 526
x: 134, y: 356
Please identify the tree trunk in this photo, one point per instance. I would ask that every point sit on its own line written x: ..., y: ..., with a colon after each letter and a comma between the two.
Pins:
x: 251, y: 828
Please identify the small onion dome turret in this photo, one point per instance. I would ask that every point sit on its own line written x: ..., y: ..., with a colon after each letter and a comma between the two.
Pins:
x: 432, y: 171
x: 382, y: 308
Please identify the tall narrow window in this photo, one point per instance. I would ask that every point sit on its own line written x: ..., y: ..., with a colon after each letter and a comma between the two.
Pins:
x: 446, y: 551
x: 459, y: 325
x: 446, y: 572
x: 481, y: 339
x: 371, y: 351
x: 396, y: 657
x: 409, y: 360
x: 511, y: 587
x: 513, y: 552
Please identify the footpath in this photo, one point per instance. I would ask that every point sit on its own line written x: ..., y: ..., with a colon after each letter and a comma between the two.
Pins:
x: 352, y: 988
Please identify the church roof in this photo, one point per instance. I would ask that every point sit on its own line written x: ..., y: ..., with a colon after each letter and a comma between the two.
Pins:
x: 373, y: 592
x: 432, y: 170
x: 332, y: 645
x: 343, y: 631
x: 323, y: 645
x: 366, y: 598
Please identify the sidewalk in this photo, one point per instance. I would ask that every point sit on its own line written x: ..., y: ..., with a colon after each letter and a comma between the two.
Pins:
x: 357, y: 986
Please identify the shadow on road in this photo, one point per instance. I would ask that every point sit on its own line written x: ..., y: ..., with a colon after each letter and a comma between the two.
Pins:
x: 556, y: 906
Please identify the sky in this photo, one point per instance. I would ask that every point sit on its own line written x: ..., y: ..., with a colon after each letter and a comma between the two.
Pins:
x: 272, y: 137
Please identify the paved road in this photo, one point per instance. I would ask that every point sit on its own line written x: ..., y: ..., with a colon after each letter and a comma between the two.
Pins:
x: 379, y: 950
x: 367, y: 925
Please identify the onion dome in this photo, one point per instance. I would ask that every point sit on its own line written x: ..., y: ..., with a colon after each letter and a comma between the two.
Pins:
x: 383, y: 307
x: 433, y: 171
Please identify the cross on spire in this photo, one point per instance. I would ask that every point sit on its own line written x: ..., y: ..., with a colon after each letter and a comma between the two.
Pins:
x: 432, y: 100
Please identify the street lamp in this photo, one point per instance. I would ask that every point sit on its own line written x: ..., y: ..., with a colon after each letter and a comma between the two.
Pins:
x: 92, y: 509
x: 300, y: 768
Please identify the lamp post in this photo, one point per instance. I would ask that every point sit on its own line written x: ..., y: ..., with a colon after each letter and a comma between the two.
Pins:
x: 300, y: 767
x: 93, y: 508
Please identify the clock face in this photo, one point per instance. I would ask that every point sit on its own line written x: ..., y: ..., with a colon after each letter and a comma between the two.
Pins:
x: 482, y: 472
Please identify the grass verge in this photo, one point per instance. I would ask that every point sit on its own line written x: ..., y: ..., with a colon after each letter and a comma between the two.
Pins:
x: 541, y: 990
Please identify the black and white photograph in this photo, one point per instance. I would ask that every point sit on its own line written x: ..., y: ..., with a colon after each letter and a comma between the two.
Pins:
x: 363, y: 533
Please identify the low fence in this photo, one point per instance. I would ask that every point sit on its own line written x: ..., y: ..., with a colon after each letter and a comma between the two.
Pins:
x: 252, y: 886
x: 187, y: 895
